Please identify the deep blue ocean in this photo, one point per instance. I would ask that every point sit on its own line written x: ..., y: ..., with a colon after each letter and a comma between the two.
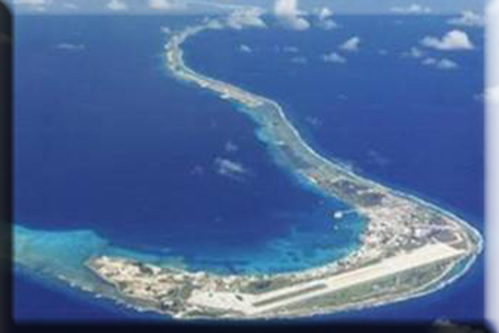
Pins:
x: 106, y: 140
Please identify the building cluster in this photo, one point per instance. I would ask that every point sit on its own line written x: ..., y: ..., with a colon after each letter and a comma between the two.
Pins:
x: 165, y: 288
x: 401, y: 225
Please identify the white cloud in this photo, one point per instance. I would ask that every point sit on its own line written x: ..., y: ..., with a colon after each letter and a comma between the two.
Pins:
x: 197, y: 170
x: 376, y: 158
x: 214, y: 24
x: 411, y: 9
x: 351, y: 45
x: 334, y: 58
x: 414, y: 53
x: 328, y: 25
x: 453, y: 40
x: 443, y: 64
x: 324, y: 19
x: 164, y: 5
x: 231, y: 169
x: 117, y: 5
x: 325, y: 13
x: 289, y: 15
x: 468, y: 19
x: 246, y: 17
x: 166, y: 30
x: 71, y: 47
x: 40, y: 5
x: 446, y: 64
x: 299, y: 60
x: 429, y: 61
x: 231, y: 147
x: 314, y: 121
x: 291, y: 49
x: 245, y: 48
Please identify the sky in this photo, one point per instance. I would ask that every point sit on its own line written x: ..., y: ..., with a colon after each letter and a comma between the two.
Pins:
x: 400, y: 7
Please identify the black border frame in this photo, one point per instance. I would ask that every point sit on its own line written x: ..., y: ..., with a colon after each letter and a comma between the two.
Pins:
x: 5, y: 165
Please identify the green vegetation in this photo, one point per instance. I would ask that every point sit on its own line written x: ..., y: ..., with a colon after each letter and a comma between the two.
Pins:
x: 265, y: 286
x: 386, y: 287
